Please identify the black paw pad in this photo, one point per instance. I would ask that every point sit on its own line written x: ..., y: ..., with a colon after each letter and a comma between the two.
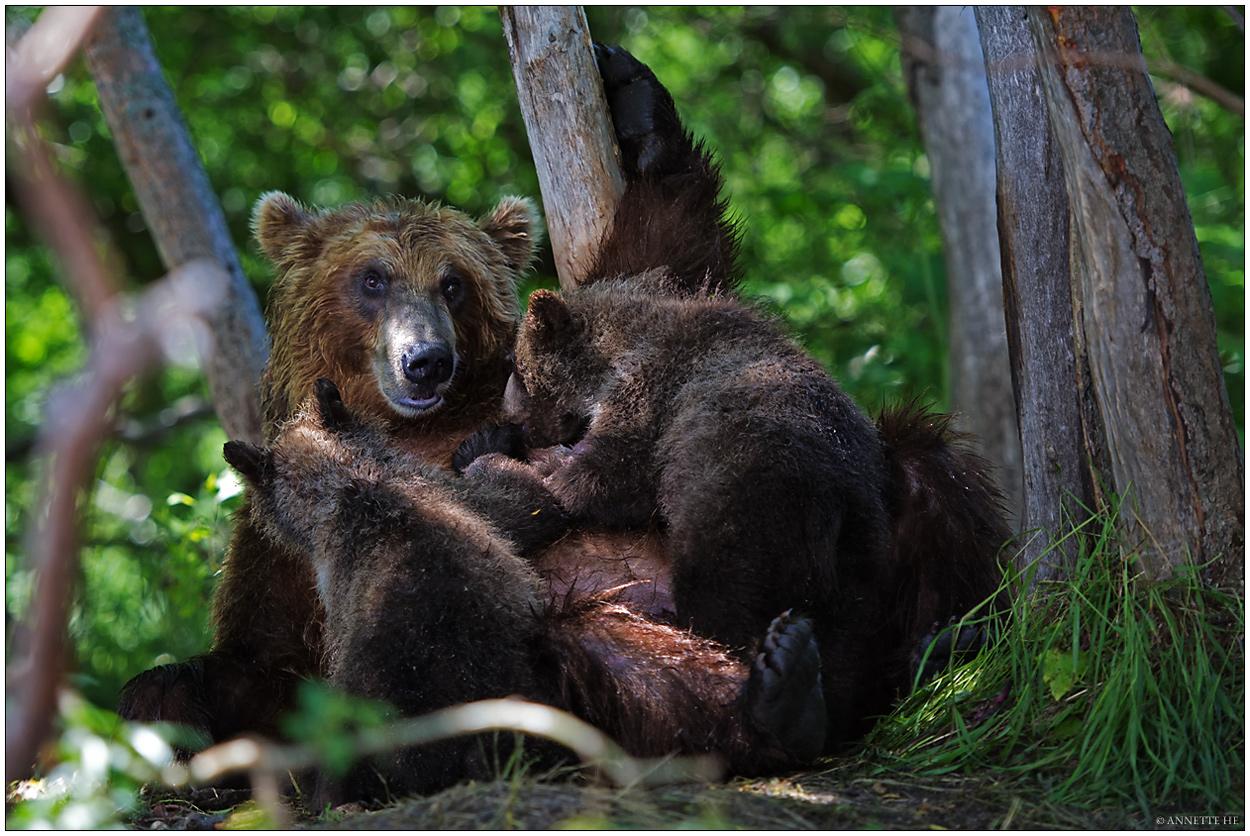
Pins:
x: 783, y: 696
x: 643, y: 112
x: 942, y: 645
x: 508, y: 439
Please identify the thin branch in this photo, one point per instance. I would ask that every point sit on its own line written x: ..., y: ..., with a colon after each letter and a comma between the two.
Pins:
x: 1198, y: 83
x: 267, y: 763
x: 80, y: 416
x: 43, y: 52
x: 59, y: 213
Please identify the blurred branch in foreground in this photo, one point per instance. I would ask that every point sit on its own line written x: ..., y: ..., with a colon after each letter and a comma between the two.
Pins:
x: 128, y: 337
x: 267, y: 764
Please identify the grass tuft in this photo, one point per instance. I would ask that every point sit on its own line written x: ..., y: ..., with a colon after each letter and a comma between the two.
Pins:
x: 1100, y: 689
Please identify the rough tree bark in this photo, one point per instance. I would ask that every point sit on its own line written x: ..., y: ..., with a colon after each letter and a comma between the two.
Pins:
x: 1033, y: 236
x: 178, y: 206
x: 946, y: 76
x: 1142, y: 295
x: 1113, y: 346
x: 566, y: 117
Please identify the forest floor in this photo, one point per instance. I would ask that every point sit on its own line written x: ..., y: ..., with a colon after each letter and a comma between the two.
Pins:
x: 845, y: 795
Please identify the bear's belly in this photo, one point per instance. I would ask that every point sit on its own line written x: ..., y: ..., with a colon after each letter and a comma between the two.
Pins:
x: 625, y: 567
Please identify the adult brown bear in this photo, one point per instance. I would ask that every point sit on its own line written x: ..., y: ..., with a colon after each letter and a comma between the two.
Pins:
x: 411, y: 310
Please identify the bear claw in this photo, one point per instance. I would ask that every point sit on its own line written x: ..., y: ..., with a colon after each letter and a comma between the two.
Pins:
x: 783, y: 696
x: 507, y: 439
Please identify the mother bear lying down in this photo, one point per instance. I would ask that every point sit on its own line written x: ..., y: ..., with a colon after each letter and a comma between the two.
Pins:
x: 657, y: 603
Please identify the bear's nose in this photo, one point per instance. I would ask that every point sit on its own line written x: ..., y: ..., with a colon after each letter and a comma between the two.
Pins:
x: 428, y: 362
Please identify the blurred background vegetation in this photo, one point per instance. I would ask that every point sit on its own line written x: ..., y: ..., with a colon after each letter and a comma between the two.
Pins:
x: 806, y: 107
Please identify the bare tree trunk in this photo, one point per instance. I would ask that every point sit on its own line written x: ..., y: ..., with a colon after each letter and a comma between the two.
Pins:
x: 946, y: 75
x: 1033, y: 236
x: 1111, y: 325
x: 179, y: 206
x: 566, y: 116
x: 1142, y: 297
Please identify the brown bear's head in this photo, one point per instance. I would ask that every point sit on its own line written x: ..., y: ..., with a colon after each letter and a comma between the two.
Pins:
x: 407, y: 305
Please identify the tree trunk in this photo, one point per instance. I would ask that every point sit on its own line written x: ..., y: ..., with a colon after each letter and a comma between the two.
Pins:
x: 1144, y: 304
x: 1111, y: 327
x: 566, y: 117
x: 946, y: 75
x: 179, y: 206
x: 1033, y: 236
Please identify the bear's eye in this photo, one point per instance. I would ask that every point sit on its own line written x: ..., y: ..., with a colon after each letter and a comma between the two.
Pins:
x: 452, y: 286
x: 373, y: 281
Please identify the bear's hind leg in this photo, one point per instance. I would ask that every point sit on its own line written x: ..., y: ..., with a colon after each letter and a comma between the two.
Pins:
x: 783, y: 695
x: 671, y: 216
x: 659, y: 691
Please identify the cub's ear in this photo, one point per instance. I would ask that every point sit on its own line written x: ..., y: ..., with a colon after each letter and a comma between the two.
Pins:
x: 513, y: 226
x: 278, y: 221
x: 335, y: 414
x: 250, y: 461
x: 548, y: 321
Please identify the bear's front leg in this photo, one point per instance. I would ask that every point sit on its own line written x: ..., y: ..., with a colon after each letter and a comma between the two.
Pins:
x: 514, y: 496
x: 606, y: 480
x: 671, y: 216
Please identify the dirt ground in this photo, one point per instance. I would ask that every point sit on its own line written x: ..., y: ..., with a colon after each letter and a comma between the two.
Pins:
x: 832, y: 799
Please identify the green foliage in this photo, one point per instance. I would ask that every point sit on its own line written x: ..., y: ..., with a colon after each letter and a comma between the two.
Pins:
x: 1101, y: 689
x: 330, y: 721
x: 102, y: 763
x: 147, y: 569
x: 805, y: 106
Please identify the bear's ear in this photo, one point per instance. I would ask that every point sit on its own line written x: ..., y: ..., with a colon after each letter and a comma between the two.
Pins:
x: 335, y: 414
x: 549, y: 321
x: 250, y: 461
x: 277, y: 220
x: 513, y: 226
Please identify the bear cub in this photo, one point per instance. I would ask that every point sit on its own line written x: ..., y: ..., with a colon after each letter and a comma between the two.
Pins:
x: 654, y: 395
x: 385, y: 534
x: 701, y: 412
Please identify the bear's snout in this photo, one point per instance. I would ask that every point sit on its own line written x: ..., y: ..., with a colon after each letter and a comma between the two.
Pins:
x: 427, y: 364
x: 415, y: 374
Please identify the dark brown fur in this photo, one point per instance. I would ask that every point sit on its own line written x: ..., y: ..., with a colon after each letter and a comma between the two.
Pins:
x: 948, y: 524
x: 427, y: 601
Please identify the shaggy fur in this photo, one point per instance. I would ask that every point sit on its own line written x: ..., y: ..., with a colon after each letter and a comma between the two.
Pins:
x: 360, y: 283
x: 386, y: 535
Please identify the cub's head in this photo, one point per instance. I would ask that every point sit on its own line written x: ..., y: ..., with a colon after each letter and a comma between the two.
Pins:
x: 405, y: 304
x: 558, y: 371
